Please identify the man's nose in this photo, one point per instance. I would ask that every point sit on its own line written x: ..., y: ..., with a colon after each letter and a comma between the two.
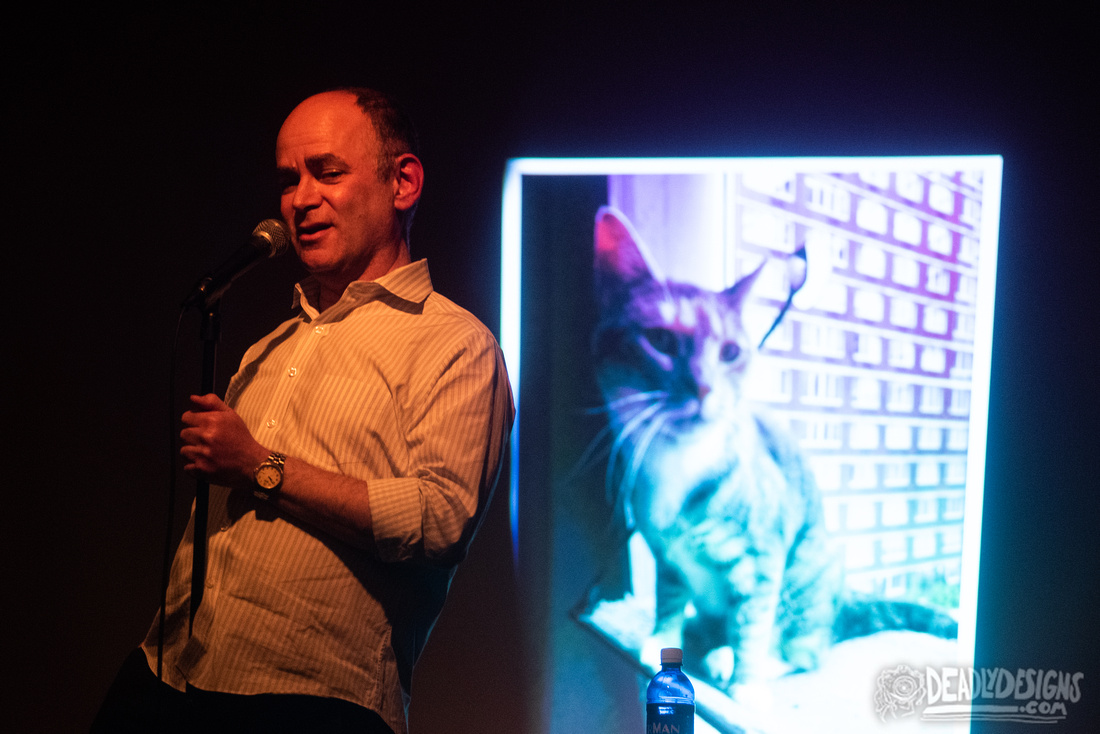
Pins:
x: 306, y: 194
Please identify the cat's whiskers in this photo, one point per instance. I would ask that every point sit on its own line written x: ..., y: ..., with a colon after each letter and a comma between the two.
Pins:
x: 640, y: 449
x: 626, y: 433
x: 639, y: 419
x: 599, y: 448
x: 596, y: 451
x: 626, y: 401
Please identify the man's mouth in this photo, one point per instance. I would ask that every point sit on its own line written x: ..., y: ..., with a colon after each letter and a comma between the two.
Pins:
x: 312, y: 232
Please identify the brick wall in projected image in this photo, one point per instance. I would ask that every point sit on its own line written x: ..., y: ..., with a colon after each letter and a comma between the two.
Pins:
x: 874, y: 376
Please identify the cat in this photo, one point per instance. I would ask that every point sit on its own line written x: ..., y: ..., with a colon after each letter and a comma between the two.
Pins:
x: 724, y: 499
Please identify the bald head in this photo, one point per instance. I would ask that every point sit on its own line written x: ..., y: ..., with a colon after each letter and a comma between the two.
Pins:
x: 392, y: 124
x: 394, y: 129
x: 345, y: 197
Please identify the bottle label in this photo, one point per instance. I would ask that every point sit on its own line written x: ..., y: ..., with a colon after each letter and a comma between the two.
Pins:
x: 669, y: 718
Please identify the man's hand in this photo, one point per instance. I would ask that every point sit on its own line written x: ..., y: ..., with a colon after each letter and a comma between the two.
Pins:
x: 217, y: 443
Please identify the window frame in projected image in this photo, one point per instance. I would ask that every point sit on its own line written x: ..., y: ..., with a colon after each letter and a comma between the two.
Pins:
x: 879, y: 368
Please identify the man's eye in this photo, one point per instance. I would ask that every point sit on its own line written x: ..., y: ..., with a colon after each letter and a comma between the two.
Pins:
x: 330, y: 174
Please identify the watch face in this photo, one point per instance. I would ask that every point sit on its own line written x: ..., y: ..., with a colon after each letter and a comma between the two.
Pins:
x: 268, y: 477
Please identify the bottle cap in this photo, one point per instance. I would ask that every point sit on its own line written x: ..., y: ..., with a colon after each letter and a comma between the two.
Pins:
x: 672, y: 655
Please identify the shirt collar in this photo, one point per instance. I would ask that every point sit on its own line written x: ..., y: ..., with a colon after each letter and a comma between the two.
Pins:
x: 410, y: 283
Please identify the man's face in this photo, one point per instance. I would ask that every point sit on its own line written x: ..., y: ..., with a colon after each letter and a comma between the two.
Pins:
x: 340, y: 213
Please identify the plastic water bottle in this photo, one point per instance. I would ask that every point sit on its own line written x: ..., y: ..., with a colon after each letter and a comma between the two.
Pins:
x: 670, y: 698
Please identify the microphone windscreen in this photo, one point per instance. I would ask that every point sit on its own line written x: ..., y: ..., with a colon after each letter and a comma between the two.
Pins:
x: 271, y: 236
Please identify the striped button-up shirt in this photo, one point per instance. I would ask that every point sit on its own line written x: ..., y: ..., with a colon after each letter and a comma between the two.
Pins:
x: 394, y: 385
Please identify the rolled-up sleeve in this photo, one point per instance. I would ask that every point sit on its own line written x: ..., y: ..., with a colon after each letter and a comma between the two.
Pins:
x: 456, y: 426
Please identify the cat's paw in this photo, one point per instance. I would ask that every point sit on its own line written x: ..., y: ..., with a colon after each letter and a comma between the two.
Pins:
x: 718, y: 665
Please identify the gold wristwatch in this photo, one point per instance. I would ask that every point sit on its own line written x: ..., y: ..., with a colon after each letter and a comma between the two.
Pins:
x: 269, y: 476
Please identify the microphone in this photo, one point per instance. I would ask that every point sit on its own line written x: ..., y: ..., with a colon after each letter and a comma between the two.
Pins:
x: 269, y: 238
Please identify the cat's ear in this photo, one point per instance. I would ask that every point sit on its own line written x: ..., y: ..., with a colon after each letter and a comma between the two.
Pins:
x: 735, y: 295
x: 621, y: 258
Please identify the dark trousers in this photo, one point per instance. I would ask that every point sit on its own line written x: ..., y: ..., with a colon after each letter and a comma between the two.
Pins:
x: 138, y: 702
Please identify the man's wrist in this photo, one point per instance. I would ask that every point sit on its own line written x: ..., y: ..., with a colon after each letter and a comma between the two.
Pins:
x: 267, y: 478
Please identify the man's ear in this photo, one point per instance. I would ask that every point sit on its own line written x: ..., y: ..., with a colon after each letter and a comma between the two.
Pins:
x: 408, y: 183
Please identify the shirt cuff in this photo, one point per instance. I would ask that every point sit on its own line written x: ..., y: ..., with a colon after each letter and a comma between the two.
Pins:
x: 395, y: 517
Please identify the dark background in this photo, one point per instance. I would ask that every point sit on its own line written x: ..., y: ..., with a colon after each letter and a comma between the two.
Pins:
x: 139, y: 154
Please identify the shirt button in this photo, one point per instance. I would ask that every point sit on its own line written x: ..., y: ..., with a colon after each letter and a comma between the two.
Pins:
x: 292, y: 371
x: 318, y: 330
x: 270, y: 423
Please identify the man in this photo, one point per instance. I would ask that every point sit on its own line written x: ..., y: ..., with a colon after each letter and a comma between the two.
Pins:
x: 351, y: 460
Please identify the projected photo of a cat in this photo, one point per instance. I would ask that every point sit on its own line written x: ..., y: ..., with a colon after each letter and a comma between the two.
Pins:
x: 724, y: 500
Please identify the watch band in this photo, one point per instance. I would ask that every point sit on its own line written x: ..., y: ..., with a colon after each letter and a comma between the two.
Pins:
x: 268, y: 476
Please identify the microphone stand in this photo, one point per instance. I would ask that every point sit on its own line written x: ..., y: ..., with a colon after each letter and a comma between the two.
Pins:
x: 210, y: 331
x: 270, y: 238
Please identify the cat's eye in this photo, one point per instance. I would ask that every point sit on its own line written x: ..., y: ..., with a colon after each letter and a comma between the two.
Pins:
x: 663, y: 340
x: 730, y: 352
